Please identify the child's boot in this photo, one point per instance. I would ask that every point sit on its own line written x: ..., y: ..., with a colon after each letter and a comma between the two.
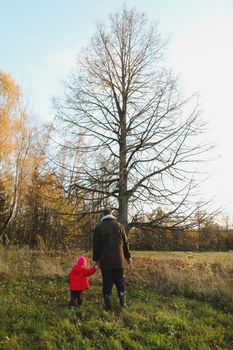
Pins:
x: 71, y: 304
x: 79, y: 301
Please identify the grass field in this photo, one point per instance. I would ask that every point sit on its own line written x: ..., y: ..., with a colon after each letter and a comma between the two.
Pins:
x: 162, y: 313
x: 205, y: 257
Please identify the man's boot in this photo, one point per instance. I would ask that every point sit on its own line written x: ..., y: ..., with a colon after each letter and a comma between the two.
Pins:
x: 108, y: 302
x: 122, y: 298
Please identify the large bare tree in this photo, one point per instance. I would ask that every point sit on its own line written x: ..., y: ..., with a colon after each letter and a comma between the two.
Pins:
x: 141, y: 137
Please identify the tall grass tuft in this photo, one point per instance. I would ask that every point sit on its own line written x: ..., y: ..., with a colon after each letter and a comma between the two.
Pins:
x: 203, y: 281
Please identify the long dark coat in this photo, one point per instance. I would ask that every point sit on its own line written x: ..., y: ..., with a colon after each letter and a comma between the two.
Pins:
x: 110, y: 245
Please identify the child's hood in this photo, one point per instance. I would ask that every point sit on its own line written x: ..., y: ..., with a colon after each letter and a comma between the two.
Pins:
x: 82, y: 261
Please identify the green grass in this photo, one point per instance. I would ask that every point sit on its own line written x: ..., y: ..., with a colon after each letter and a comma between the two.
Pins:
x: 34, y: 315
x: 176, y: 300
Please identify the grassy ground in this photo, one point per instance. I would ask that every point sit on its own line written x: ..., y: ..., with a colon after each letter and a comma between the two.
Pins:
x: 34, y: 313
x: 225, y: 258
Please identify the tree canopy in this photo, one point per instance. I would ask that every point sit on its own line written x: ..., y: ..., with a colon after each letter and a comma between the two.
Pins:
x: 141, y: 137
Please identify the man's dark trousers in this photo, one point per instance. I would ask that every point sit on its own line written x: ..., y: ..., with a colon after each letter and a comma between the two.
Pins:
x: 113, y: 276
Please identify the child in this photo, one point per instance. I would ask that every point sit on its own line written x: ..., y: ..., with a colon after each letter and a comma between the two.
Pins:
x: 78, y: 280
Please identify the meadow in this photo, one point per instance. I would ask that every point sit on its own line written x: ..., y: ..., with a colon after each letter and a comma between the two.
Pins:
x: 206, y: 257
x: 177, y: 300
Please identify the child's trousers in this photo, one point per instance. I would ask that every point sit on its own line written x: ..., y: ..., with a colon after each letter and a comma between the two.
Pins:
x: 75, y: 298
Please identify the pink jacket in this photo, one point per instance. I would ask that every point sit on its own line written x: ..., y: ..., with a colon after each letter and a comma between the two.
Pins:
x: 78, y: 276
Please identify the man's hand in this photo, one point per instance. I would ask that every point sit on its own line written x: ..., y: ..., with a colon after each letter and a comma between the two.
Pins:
x: 129, y: 261
x: 96, y: 264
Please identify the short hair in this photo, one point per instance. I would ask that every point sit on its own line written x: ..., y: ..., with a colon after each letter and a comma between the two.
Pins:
x: 107, y: 211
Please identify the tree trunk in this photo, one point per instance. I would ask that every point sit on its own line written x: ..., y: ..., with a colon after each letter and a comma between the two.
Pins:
x: 123, y: 175
x: 123, y: 210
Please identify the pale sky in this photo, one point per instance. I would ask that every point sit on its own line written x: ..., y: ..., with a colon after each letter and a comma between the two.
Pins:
x: 39, y: 41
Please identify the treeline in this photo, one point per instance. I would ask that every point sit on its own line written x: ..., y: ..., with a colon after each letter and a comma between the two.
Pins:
x: 211, y: 237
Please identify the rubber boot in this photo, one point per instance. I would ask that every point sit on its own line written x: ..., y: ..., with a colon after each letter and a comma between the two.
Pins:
x: 108, y: 302
x: 72, y: 304
x: 122, y: 298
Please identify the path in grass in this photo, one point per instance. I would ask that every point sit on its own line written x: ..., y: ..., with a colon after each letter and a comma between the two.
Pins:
x: 34, y: 315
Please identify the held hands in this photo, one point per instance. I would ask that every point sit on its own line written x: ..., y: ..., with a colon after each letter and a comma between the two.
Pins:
x: 96, y: 263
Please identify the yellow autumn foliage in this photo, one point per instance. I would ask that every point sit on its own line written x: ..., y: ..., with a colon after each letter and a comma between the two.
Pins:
x: 9, y: 109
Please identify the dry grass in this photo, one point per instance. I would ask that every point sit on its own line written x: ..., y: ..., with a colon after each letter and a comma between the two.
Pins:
x: 223, y: 258
x: 200, y: 280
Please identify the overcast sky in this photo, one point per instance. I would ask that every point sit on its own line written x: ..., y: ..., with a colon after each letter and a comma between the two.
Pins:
x: 39, y: 41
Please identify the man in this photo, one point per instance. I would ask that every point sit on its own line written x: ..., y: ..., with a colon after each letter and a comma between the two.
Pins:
x: 110, y: 250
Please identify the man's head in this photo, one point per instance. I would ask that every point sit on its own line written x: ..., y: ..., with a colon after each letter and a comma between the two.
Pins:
x: 107, y: 211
